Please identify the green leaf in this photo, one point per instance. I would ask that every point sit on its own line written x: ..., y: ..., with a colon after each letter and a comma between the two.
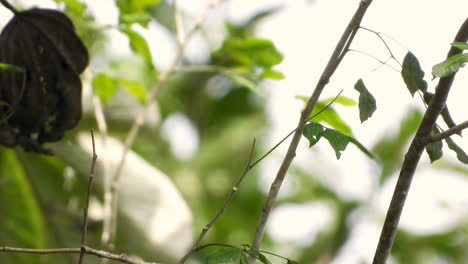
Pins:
x: 10, y: 68
x: 138, y: 44
x: 434, y: 150
x: 412, y: 74
x: 292, y: 262
x: 224, y: 255
x: 134, y: 88
x: 337, y: 140
x: 460, y: 45
x: 104, y: 86
x: 342, y: 100
x: 243, y: 258
x: 140, y: 18
x: 134, y: 7
x: 73, y: 6
x: 461, y: 155
x: 361, y: 147
x: 313, y: 132
x: 22, y: 221
x: 272, y: 74
x: 244, y: 82
x: 329, y: 116
x: 450, y: 65
x: 367, y: 105
x: 257, y: 254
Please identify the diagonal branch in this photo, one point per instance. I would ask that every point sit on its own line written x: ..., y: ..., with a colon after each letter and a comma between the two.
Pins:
x: 413, y: 155
x: 337, y: 56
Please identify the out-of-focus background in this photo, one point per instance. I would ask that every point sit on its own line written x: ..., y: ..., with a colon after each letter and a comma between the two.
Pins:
x: 198, y: 134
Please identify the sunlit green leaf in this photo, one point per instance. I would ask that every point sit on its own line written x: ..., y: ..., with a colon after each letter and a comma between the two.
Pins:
x: 337, y: 140
x: 313, y: 132
x: 434, y: 150
x: 367, y: 105
x: 328, y: 115
x: 224, y: 255
x: 361, y: 147
x: 342, y: 100
x: 412, y: 74
x: 244, y: 258
x: 133, y: 8
x: 73, y: 6
x: 138, y: 44
x: 460, y: 45
x: 104, y: 86
x: 272, y: 74
x: 450, y: 65
x: 244, y: 82
x: 135, y: 88
x: 461, y: 155
x: 141, y: 18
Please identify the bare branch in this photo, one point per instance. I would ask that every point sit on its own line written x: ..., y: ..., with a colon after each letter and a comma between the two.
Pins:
x: 337, y: 56
x: 8, y: 6
x: 447, y: 133
x: 87, y: 250
x: 88, y: 193
x: 413, y: 155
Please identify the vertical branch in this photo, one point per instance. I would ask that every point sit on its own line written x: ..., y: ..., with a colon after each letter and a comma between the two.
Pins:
x: 435, y: 107
x: 88, y: 193
x: 332, y: 65
x: 140, y: 118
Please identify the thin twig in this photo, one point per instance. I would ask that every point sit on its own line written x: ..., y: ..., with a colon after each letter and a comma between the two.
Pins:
x: 447, y: 133
x: 87, y: 250
x: 378, y: 34
x: 337, y: 56
x: 412, y: 157
x: 88, y: 194
x: 234, y: 189
x: 9, y: 7
x: 140, y: 118
x: 383, y: 63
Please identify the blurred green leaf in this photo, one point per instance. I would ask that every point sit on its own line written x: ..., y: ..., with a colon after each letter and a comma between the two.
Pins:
x: 313, y: 132
x: 134, y: 88
x: 256, y: 55
x: 138, y: 44
x: 134, y: 8
x: 74, y: 6
x: 337, y: 140
x: 244, y: 258
x: 104, y: 86
x: 450, y: 65
x: 292, y: 262
x: 367, y: 105
x: 22, y: 222
x: 412, y: 74
x: 461, y: 155
x: 434, y: 150
x: 140, y: 18
x: 244, y: 82
x: 10, y: 68
x: 272, y: 74
x: 460, y: 45
x: 224, y: 255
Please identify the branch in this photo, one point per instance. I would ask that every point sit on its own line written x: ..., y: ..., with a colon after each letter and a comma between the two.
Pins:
x: 8, y: 6
x: 87, y: 250
x: 88, y: 193
x: 337, y: 56
x: 413, y: 155
x: 447, y: 133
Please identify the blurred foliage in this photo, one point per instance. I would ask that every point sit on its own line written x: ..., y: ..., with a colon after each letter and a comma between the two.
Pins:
x: 41, y: 198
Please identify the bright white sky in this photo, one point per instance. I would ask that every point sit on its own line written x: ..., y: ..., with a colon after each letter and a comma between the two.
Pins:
x: 306, y: 32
